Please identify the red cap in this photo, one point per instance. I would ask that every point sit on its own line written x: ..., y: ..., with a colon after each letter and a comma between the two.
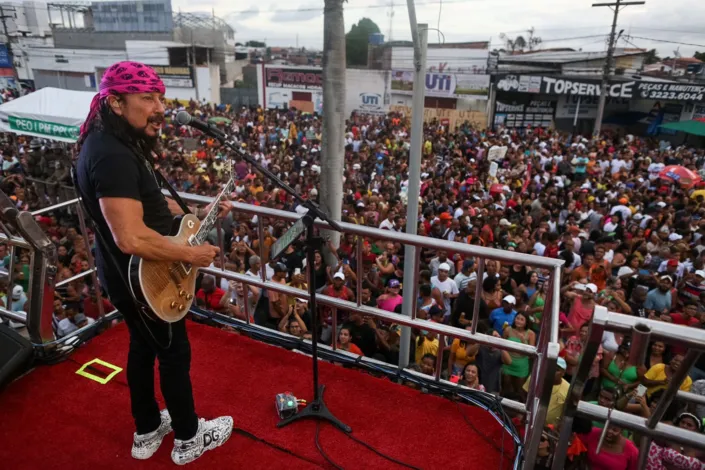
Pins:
x: 672, y: 262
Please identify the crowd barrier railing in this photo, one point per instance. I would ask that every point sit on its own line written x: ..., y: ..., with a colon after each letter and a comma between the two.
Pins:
x: 642, y: 331
x: 544, y: 353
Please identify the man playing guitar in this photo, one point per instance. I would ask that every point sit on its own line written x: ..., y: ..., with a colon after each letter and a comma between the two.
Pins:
x: 121, y: 193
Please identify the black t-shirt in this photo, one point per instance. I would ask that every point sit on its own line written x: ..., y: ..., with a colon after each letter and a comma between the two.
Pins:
x: 364, y: 337
x: 638, y: 309
x: 108, y: 168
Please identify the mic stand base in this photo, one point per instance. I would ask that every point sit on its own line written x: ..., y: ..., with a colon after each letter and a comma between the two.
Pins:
x: 318, y: 410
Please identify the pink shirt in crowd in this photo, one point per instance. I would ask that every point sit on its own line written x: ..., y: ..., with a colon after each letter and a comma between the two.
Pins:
x: 390, y: 303
x: 627, y: 460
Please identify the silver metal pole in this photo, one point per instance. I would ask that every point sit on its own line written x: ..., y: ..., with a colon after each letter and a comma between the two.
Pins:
x: 556, y: 302
x: 419, y: 33
x: 640, y: 344
x: 415, y: 298
x: 478, y: 294
x: 439, y: 357
x: 359, y: 270
x: 91, y: 261
x: 55, y: 206
x: 75, y: 278
x: 577, y: 111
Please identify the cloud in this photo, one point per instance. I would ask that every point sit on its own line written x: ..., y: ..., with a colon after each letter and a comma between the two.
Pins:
x: 302, y: 14
x: 243, y: 15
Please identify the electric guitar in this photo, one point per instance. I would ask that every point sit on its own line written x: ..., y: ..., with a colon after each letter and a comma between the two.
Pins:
x: 168, y: 287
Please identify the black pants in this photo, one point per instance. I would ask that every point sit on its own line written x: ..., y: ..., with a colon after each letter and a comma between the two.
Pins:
x: 148, y: 340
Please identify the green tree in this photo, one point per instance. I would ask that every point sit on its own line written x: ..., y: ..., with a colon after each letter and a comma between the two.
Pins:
x: 356, y: 41
x: 255, y: 44
x: 651, y: 57
x: 700, y: 56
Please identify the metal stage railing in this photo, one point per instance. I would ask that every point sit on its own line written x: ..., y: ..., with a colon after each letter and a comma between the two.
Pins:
x: 641, y: 331
x: 544, y: 354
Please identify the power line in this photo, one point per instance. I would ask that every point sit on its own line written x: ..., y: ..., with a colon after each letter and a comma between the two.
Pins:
x: 668, y: 42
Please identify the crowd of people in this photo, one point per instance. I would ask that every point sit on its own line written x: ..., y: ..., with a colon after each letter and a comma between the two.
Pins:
x: 630, y: 238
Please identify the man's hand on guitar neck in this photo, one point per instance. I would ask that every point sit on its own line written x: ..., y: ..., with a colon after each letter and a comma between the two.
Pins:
x: 224, y: 208
x: 203, y: 255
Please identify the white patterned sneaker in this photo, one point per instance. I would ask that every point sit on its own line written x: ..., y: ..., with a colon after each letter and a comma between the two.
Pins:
x: 210, y: 434
x: 145, y: 445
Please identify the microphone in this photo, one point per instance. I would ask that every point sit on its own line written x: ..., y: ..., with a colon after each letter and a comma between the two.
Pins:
x: 183, y: 118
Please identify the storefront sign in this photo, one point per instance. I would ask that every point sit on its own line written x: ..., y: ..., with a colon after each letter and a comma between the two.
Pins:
x: 450, y: 85
x: 177, y: 77
x: 586, y: 106
x: 299, y: 78
x: 535, y: 113
x: 49, y: 129
x: 671, y: 91
x: 539, y: 84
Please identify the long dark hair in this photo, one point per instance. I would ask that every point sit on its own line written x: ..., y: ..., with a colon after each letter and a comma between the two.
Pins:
x: 107, y: 121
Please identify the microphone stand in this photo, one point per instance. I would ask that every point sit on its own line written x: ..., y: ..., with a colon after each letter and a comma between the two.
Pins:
x: 317, y: 408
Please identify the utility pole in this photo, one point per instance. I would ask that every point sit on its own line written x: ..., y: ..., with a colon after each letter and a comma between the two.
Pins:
x: 419, y: 35
x: 333, y: 139
x: 10, y: 55
x: 195, y: 69
x: 608, y: 62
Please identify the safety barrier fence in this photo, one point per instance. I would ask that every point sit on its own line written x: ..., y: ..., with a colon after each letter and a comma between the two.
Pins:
x: 543, y: 355
x: 641, y: 331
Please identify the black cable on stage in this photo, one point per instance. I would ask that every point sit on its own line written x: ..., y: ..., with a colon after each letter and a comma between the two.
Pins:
x: 482, y: 435
x: 274, y: 446
x: 391, y: 459
x: 320, y: 449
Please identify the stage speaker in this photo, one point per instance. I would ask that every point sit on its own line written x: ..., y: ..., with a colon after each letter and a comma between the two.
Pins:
x: 15, y: 354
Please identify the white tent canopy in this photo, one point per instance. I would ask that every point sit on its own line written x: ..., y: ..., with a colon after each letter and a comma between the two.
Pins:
x: 49, y: 113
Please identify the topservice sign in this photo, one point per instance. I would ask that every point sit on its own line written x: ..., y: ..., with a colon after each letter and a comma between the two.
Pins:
x: 540, y: 84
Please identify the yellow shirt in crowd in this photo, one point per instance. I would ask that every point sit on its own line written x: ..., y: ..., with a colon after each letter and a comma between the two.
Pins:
x: 658, y: 372
x: 555, y: 406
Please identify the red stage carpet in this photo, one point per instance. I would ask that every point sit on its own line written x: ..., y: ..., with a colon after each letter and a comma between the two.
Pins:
x: 55, y: 419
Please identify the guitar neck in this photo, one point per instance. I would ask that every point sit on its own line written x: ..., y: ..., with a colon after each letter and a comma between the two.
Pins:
x: 208, y: 223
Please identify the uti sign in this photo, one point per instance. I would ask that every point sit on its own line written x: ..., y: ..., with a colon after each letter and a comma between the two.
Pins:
x: 371, y: 103
x: 440, y: 84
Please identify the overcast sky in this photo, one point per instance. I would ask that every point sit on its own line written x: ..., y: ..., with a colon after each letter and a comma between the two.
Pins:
x: 283, y: 23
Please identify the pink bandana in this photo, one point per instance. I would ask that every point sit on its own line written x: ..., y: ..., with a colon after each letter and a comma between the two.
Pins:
x: 123, y: 78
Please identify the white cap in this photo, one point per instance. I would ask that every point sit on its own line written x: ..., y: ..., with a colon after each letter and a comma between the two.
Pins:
x: 314, y: 192
x: 700, y: 273
x: 674, y: 237
x: 17, y: 292
x: 591, y: 287
x: 339, y: 275
x: 637, y: 216
x: 505, y: 223
x: 661, y: 204
x: 510, y: 299
x: 444, y: 267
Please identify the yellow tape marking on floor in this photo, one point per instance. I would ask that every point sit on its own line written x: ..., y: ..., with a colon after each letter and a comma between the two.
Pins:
x: 100, y: 380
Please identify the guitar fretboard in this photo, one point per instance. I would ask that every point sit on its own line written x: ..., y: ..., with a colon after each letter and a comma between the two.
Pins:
x: 208, y: 223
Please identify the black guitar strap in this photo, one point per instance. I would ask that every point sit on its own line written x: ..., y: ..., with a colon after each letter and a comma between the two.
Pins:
x: 162, y: 181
